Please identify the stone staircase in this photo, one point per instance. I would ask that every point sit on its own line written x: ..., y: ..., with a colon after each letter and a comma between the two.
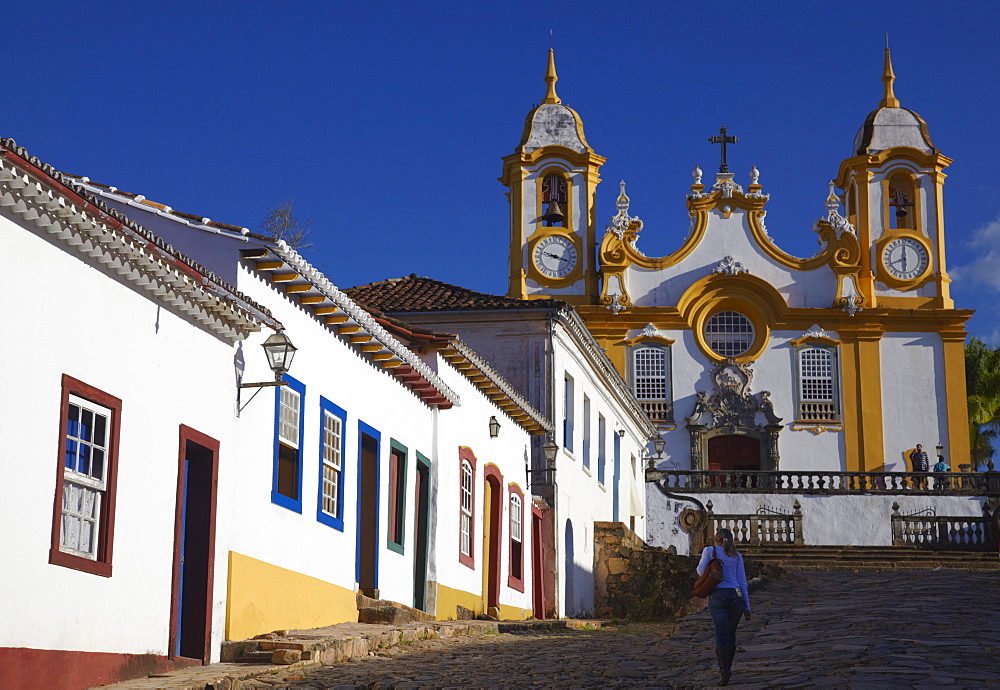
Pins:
x: 374, y: 610
x: 282, y: 645
x: 799, y: 557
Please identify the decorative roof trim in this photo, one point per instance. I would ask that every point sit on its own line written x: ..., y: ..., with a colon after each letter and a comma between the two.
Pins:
x: 579, y: 330
x: 38, y: 194
x: 149, y: 206
x: 411, y: 369
x: 533, y: 421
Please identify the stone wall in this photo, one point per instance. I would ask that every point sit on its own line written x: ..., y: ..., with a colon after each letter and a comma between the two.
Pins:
x: 634, y: 581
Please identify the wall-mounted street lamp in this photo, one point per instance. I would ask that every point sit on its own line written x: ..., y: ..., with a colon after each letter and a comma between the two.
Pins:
x: 279, y: 352
x: 494, y: 427
x: 658, y: 444
x: 940, y: 450
x: 549, y: 450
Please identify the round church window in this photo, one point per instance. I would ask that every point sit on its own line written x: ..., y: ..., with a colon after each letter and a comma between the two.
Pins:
x: 729, y: 333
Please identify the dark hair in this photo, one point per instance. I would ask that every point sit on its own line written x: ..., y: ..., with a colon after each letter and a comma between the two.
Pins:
x: 726, y: 537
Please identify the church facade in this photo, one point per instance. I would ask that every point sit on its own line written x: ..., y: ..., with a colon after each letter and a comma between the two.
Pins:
x: 744, y: 356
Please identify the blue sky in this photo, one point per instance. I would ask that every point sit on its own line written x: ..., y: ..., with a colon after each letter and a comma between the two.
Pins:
x: 386, y: 121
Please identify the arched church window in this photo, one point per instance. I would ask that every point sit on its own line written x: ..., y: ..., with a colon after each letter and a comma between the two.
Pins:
x: 649, y: 372
x: 729, y: 333
x: 817, y: 384
x: 554, y: 200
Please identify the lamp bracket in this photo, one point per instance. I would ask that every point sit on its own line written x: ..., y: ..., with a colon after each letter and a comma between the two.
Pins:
x: 263, y: 384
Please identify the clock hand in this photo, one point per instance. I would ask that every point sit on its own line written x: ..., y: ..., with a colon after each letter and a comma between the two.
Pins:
x: 555, y: 256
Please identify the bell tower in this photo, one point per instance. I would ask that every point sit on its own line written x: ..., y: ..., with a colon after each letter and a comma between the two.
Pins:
x: 893, y: 193
x: 552, y: 180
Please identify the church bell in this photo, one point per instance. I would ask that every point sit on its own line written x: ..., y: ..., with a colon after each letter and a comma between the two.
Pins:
x: 554, y: 214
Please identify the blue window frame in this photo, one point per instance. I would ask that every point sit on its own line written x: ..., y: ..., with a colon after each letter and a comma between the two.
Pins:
x: 286, y: 482
x: 332, y: 425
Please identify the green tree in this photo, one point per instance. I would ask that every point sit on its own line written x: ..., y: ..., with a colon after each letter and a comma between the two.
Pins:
x: 281, y: 223
x: 982, y: 381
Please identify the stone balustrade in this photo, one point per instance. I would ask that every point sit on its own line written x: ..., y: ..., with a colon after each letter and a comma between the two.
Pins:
x: 815, y: 482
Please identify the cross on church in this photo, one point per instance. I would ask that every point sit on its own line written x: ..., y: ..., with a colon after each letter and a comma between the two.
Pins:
x: 723, y: 139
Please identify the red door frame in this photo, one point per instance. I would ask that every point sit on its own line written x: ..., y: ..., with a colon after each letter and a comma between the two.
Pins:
x: 207, y: 442
x: 491, y: 475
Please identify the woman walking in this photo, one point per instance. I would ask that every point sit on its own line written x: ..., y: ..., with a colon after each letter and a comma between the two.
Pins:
x: 729, y: 601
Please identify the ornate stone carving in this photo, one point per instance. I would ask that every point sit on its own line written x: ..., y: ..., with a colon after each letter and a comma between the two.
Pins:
x: 816, y: 332
x: 724, y: 183
x: 622, y: 221
x: 839, y: 224
x: 730, y: 266
x: 732, y: 409
x: 650, y: 331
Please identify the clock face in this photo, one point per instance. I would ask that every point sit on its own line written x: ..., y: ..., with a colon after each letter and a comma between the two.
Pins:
x: 555, y: 256
x: 904, y: 258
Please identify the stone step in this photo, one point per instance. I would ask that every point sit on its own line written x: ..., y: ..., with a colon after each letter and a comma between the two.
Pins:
x: 365, y: 602
x: 801, y: 557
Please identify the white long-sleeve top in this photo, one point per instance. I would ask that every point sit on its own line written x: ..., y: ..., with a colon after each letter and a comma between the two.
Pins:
x: 733, y: 574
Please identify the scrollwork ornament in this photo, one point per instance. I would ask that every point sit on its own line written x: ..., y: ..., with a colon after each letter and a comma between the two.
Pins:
x: 730, y: 266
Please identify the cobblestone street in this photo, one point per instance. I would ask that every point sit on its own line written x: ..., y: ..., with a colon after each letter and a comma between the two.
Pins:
x: 856, y: 630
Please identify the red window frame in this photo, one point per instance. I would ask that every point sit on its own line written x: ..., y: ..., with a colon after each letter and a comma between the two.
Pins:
x: 466, y: 455
x: 101, y: 565
x: 515, y: 575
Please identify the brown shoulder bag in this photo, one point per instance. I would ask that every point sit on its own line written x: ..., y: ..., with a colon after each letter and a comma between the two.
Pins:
x: 709, y: 579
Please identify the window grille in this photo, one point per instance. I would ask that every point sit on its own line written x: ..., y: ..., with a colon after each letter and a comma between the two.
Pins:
x: 466, y: 545
x: 288, y: 426
x: 87, y: 429
x: 332, y: 430
x: 729, y: 333
x: 649, y: 373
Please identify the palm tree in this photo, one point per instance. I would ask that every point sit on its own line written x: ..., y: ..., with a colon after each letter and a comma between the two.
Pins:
x: 982, y: 380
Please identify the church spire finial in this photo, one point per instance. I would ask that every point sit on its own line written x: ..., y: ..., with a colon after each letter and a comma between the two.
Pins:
x: 551, y: 79
x: 889, y: 99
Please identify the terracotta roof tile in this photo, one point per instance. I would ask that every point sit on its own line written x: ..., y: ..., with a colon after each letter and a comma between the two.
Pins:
x: 415, y: 293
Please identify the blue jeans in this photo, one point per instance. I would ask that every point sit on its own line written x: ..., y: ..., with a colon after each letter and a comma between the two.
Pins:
x: 726, y: 608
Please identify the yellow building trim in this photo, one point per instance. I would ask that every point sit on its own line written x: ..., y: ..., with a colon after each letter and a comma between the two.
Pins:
x: 956, y: 397
x: 814, y: 340
x: 449, y: 599
x: 264, y: 597
x: 890, y: 280
x: 743, y: 293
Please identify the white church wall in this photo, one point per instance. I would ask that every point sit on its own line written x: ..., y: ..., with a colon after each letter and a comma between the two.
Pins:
x: 167, y: 372
x: 729, y: 237
x: 826, y: 520
x: 913, y: 400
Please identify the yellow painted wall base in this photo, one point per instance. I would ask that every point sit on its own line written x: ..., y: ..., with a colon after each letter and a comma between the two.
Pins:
x: 448, y: 599
x: 264, y: 597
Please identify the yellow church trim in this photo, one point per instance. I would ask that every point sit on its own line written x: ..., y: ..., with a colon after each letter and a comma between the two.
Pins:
x: 815, y: 340
x: 744, y: 293
x: 892, y: 281
x: 655, y: 339
x: 617, y: 253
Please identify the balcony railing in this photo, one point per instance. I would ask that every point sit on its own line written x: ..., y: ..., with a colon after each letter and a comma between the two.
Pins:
x: 943, y: 532
x: 818, y: 412
x: 809, y: 482
x: 658, y: 410
x: 765, y: 527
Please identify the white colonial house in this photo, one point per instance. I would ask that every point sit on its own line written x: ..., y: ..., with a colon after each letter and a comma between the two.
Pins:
x: 593, y: 470
x: 118, y: 424
x: 392, y: 462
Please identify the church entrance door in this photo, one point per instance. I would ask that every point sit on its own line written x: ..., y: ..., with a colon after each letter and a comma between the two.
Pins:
x: 733, y: 453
